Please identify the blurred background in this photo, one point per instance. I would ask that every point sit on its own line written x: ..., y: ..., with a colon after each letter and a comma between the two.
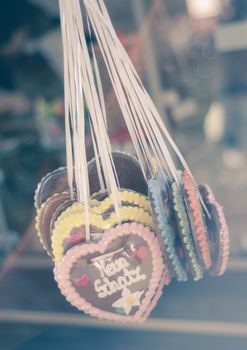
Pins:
x: 192, y: 58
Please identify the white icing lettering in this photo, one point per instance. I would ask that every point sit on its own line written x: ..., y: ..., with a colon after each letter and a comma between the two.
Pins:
x: 111, y: 268
x: 108, y: 288
x: 100, y: 289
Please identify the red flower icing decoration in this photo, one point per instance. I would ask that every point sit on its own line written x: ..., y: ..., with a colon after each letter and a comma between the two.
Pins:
x: 77, y: 237
x: 140, y: 253
x: 83, y: 280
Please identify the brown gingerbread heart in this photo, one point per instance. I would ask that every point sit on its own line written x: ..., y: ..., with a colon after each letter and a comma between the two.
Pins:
x: 107, y: 279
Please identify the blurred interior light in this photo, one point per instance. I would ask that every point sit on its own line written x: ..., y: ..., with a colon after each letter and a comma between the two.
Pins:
x: 214, y: 124
x: 200, y: 9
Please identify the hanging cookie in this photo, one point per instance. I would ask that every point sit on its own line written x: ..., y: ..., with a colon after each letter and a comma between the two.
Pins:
x: 165, y: 224
x: 195, y: 214
x: 185, y: 233
x: 218, y: 234
x: 117, y: 278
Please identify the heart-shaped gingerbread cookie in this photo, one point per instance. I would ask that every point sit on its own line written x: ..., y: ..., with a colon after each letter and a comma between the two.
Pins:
x: 54, y: 182
x: 127, y: 167
x: 129, y: 173
x: 217, y: 229
x: 70, y: 224
x: 165, y: 225
x: 117, y: 278
x: 195, y: 215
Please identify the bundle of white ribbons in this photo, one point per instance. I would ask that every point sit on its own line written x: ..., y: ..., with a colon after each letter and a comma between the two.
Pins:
x: 83, y: 87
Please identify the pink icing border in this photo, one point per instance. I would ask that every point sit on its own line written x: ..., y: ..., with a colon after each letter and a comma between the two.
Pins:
x: 224, y: 248
x: 165, y: 280
x: 62, y: 272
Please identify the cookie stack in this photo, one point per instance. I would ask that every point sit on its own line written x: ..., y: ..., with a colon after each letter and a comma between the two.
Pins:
x: 192, y: 226
x: 164, y: 229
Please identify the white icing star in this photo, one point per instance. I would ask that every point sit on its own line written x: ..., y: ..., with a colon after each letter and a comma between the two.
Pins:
x: 128, y: 300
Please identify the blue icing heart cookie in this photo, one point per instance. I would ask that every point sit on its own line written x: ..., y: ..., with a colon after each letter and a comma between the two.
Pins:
x: 165, y: 223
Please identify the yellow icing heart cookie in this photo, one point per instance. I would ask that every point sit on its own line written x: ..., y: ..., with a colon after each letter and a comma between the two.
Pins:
x: 65, y: 225
x: 100, y: 207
